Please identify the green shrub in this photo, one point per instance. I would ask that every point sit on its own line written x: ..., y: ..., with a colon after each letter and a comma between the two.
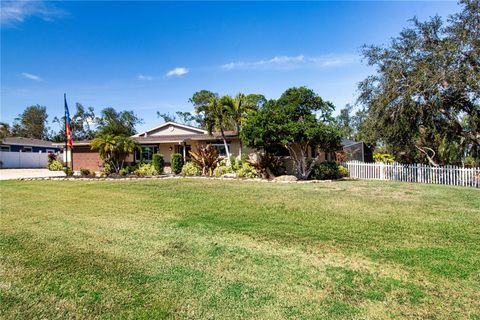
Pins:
x: 326, y: 170
x: 146, y: 169
x: 247, y: 171
x: 130, y: 169
x: 106, y: 168
x: 84, y: 172
x: 191, y: 169
x: 68, y: 172
x: 383, y: 157
x: 343, y: 172
x: 123, y: 171
x: 220, y: 170
x: 177, y: 163
x: 236, y: 163
x: 55, y: 165
x: 158, y: 162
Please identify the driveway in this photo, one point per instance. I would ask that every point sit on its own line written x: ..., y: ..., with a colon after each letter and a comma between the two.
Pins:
x: 9, y: 174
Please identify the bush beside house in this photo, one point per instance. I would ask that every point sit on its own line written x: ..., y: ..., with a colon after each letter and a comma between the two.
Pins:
x: 158, y: 163
x: 328, y: 170
x: 177, y: 163
x: 191, y: 169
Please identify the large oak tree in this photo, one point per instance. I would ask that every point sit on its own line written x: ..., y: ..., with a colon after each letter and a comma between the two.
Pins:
x: 298, y: 120
x: 424, y: 99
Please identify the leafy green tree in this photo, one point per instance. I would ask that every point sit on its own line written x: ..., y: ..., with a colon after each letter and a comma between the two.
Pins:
x: 217, y: 118
x: 240, y: 106
x: 201, y: 101
x: 423, y: 100
x: 82, y: 123
x: 32, y: 123
x: 5, y: 130
x: 113, y: 149
x: 298, y: 120
x: 345, y: 122
x: 117, y: 123
x: 182, y: 117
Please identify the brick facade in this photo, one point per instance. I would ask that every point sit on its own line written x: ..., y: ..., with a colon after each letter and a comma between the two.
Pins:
x: 83, y: 157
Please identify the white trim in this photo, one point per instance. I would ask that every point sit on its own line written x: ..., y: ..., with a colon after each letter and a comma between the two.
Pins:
x: 170, y: 123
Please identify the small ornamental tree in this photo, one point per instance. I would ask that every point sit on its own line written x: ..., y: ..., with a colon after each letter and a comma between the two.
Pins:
x: 114, y: 149
x: 299, y: 120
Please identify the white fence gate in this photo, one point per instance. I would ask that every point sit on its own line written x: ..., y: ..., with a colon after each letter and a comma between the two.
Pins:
x: 448, y: 175
x: 23, y: 159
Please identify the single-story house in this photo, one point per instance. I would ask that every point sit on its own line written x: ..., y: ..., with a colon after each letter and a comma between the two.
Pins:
x: 166, y: 139
x: 20, y: 144
x: 19, y: 152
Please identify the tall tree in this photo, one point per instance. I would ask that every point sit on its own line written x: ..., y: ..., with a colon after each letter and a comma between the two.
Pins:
x: 81, y: 123
x: 240, y: 106
x: 201, y: 101
x: 182, y: 117
x: 32, y: 123
x: 424, y: 99
x: 345, y: 122
x: 298, y: 120
x: 117, y: 123
x: 5, y: 130
x: 217, y: 118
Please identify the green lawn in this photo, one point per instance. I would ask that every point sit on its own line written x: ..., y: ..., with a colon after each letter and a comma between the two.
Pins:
x: 209, y: 249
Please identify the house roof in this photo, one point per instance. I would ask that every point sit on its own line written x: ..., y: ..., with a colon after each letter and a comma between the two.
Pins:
x: 183, y: 138
x: 348, y: 142
x: 75, y: 143
x: 26, y: 142
x: 170, y: 123
x: 165, y: 138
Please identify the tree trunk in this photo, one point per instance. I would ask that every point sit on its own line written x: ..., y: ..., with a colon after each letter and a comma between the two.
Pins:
x: 225, y: 144
x: 429, y: 157
x: 298, y: 153
x: 240, y: 142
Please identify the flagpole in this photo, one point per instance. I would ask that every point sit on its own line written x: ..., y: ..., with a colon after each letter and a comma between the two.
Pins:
x: 66, y: 138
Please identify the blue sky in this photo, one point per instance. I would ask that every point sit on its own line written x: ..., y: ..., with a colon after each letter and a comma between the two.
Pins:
x: 152, y: 56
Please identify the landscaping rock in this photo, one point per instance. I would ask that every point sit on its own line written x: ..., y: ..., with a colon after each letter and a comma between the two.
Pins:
x: 285, y: 178
x: 230, y: 175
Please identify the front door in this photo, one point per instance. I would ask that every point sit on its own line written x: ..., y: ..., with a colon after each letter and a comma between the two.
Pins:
x: 181, y: 148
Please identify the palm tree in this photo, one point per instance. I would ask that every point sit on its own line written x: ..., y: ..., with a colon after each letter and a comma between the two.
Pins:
x: 105, y: 144
x: 218, y: 117
x: 125, y: 146
x: 239, y: 108
x: 113, y: 149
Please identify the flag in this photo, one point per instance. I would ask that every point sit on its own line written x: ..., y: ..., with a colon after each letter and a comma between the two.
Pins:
x: 68, y: 127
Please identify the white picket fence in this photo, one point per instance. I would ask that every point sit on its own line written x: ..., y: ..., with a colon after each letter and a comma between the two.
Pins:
x: 448, y: 175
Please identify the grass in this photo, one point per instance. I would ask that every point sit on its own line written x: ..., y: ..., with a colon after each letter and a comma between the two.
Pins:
x: 205, y: 249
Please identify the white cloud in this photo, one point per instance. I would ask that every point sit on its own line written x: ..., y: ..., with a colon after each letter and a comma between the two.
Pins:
x: 177, y: 72
x: 15, y: 12
x: 144, y: 77
x: 31, y: 76
x: 294, y: 62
